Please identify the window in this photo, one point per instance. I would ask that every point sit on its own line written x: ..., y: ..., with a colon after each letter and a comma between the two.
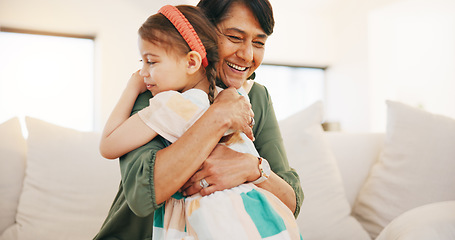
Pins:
x: 292, y: 88
x: 47, y: 77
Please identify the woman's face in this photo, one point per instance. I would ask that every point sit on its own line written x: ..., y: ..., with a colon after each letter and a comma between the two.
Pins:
x: 241, y: 45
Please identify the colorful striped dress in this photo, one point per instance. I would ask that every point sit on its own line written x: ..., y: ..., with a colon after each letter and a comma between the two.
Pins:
x: 242, y: 212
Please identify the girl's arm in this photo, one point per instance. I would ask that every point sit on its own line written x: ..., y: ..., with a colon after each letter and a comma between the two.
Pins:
x: 123, y: 133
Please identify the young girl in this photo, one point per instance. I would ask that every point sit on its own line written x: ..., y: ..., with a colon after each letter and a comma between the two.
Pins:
x: 179, y: 52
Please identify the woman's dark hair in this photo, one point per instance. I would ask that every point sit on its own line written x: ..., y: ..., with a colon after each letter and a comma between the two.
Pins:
x: 158, y: 30
x: 216, y: 11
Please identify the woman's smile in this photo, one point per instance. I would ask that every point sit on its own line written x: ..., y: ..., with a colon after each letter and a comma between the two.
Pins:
x: 236, y: 67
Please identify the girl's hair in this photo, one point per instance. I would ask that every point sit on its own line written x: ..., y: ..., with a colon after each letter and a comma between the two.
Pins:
x: 216, y: 11
x: 158, y: 30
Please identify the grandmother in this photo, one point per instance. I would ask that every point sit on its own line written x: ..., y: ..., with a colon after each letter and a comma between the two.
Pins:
x: 152, y: 173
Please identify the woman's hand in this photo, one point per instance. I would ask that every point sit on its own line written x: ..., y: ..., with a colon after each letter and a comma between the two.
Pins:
x: 236, y: 109
x: 226, y: 168
x: 197, y: 151
x: 223, y: 169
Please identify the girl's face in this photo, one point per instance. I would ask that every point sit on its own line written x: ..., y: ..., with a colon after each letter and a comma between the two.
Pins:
x: 162, y: 70
x: 241, y: 45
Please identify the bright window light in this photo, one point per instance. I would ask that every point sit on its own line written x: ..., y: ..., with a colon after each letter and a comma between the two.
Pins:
x: 292, y: 88
x: 47, y: 77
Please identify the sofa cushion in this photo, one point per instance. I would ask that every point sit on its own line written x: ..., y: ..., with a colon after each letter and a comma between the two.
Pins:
x: 355, y: 153
x: 12, y: 167
x: 431, y: 221
x: 68, y: 186
x: 414, y: 169
x: 325, y: 213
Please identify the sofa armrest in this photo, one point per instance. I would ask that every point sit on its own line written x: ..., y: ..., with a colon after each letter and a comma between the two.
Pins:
x: 431, y: 221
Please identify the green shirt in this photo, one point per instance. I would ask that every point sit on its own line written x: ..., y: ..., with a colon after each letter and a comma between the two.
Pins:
x: 130, y: 216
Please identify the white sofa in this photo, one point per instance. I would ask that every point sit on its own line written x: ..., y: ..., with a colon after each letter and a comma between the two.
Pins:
x: 55, y: 185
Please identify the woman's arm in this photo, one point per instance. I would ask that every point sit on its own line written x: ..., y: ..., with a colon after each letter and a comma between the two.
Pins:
x: 151, y: 173
x: 178, y: 162
x: 225, y: 169
x: 281, y: 189
x: 123, y: 133
x: 269, y: 144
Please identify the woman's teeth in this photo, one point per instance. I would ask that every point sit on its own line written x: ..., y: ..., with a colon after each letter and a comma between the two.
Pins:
x: 236, y: 67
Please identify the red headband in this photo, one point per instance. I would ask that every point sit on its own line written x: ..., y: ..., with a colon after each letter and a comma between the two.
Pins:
x: 186, y: 30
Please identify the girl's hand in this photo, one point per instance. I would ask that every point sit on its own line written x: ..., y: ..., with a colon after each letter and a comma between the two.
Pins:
x: 136, y: 83
x: 236, y: 110
x: 223, y: 169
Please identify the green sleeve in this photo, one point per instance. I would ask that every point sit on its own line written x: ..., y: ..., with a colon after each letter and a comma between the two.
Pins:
x: 269, y: 142
x: 130, y: 216
x: 137, y: 177
x: 137, y: 170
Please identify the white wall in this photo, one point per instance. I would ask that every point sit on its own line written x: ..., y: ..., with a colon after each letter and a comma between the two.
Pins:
x: 303, y: 34
x: 412, y: 57
x: 355, y: 38
x: 400, y: 50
